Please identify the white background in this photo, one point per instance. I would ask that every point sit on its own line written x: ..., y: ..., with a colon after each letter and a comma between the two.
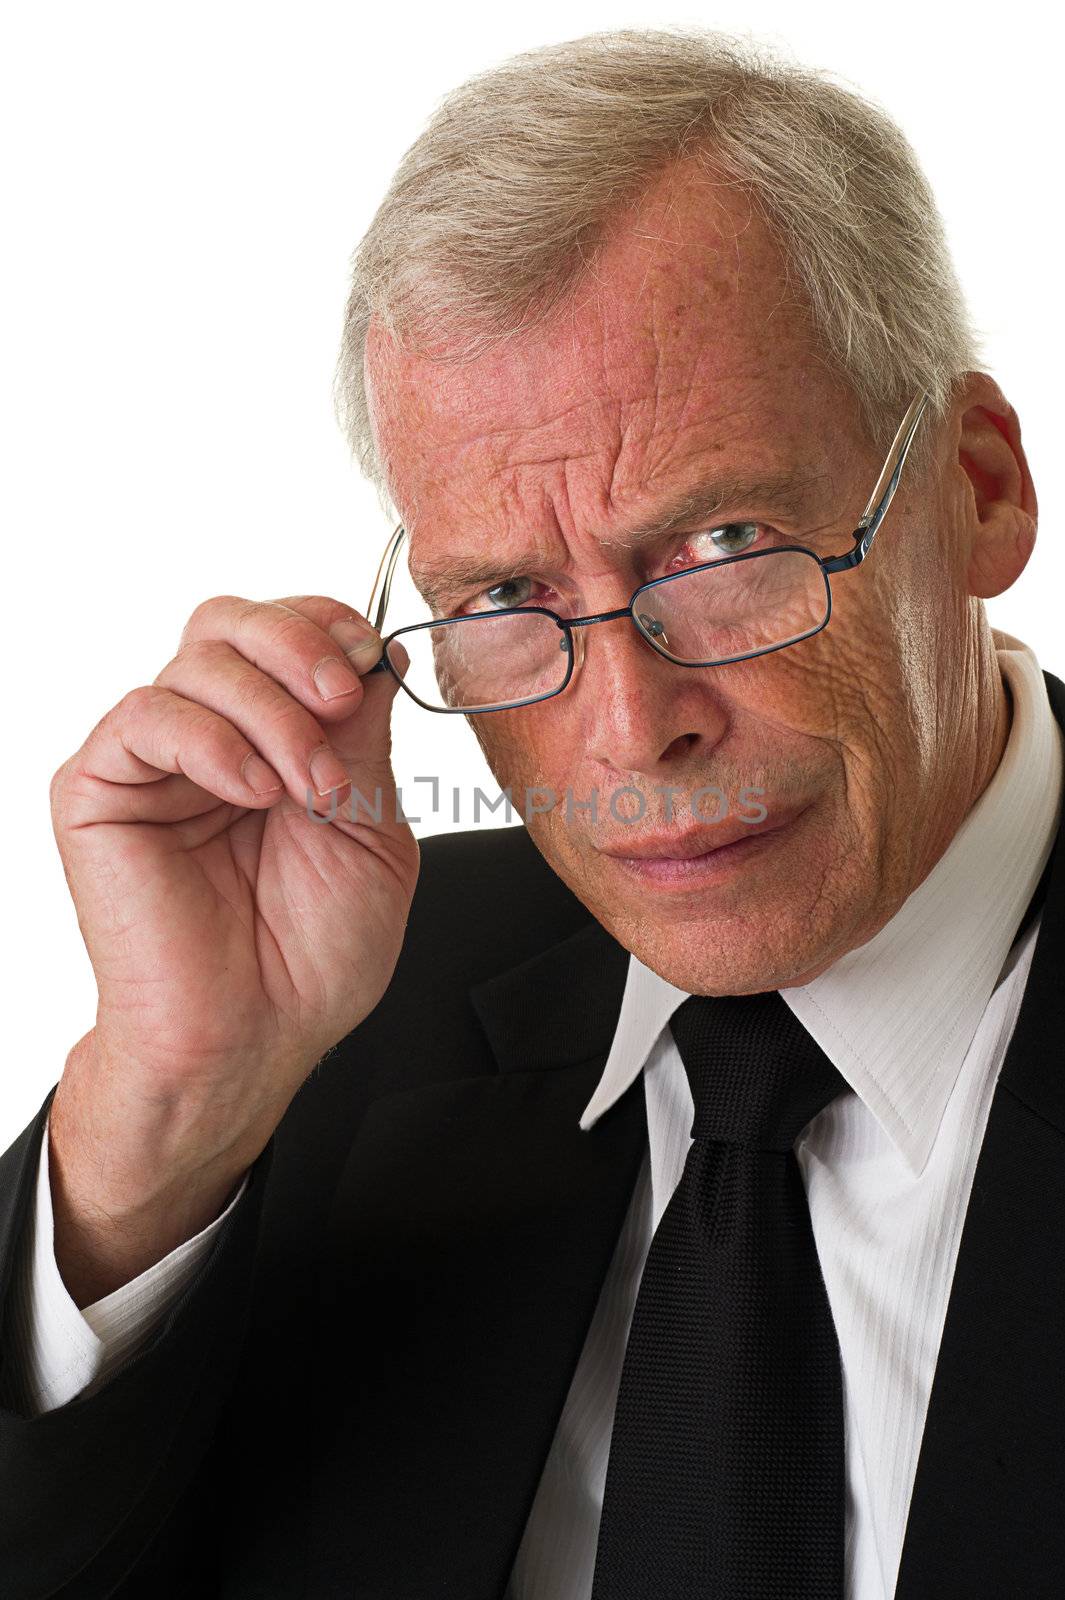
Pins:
x: 183, y: 186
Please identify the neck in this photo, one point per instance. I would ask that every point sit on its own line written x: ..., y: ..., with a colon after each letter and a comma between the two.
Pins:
x: 982, y: 735
x: 971, y: 739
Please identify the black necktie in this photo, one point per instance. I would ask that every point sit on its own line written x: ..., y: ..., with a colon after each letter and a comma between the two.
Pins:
x: 726, y: 1472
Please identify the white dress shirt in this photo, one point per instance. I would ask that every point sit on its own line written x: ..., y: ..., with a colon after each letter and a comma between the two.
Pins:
x: 917, y: 1021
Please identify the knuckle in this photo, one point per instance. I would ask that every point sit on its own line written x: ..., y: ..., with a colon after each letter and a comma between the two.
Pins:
x: 321, y: 609
x: 205, y: 651
x: 136, y: 701
x: 274, y: 626
x: 252, y: 689
x: 209, y: 734
x: 206, y: 611
x: 295, y: 726
x: 218, y: 739
x: 261, y: 702
x: 57, y: 785
x: 292, y: 630
x: 247, y: 612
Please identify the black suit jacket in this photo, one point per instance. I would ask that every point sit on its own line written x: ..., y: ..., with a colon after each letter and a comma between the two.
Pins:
x: 356, y: 1394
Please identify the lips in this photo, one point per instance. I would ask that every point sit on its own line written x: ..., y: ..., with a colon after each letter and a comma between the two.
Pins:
x: 686, y: 845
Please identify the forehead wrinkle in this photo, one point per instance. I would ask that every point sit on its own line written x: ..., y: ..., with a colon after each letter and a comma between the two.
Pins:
x: 790, y: 491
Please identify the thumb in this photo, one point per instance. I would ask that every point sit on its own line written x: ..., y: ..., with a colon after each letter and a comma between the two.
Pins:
x: 363, y: 741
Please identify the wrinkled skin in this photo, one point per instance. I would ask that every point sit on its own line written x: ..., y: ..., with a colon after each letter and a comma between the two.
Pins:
x: 686, y: 355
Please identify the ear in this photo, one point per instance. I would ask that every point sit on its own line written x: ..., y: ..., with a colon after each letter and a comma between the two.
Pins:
x: 998, y: 502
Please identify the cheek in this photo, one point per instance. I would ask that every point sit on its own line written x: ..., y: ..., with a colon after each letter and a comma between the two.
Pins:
x: 847, y: 684
x: 524, y: 749
x: 539, y: 766
x: 834, y: 715
x: 791, y: 695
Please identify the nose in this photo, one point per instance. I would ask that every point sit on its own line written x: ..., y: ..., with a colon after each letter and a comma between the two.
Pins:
x: 639, y: 712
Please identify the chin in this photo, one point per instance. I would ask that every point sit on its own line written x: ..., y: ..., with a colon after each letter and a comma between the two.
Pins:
x: 740, y: 961
x: 755, y: 938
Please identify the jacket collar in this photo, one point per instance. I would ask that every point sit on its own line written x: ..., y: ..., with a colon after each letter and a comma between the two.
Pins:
x: 558, y: 1008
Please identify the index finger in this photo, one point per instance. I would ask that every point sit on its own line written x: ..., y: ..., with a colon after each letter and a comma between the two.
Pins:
x: 349, y: 628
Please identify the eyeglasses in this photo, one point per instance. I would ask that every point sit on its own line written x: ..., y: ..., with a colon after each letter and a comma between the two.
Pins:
x: 709, y: 615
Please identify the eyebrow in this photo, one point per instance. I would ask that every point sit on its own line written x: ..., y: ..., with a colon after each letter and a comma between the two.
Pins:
x: 790, y: 492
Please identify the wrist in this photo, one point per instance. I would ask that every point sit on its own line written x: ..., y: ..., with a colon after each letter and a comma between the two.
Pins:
x: 124, y: 1197
x: 138, y: 1145
x: 100, y: 1246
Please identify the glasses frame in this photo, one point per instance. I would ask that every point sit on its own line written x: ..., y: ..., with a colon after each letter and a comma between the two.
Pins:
x: 875, y: 511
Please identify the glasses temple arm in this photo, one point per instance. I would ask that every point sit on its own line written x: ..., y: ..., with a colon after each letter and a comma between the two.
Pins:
x: 888, y: 481
x: 386, y: 567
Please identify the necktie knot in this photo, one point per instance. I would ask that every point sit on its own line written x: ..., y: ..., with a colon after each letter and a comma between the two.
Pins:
x: 756, y: 1076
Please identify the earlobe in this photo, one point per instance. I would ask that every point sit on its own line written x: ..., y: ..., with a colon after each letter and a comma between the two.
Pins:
x: 1001, y: 507
x: 997, y: 563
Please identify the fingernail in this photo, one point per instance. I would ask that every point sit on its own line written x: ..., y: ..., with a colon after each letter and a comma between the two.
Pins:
x: 364, y: 655
x: 258, y: 775
x: 327, y: 772
x: 350, y: 634
x: 333, y: 677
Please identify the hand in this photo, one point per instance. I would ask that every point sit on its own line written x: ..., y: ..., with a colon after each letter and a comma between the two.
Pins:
x: 233, y: 938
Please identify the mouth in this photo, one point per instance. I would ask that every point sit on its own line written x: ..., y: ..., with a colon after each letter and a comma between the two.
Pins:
x: 700, y: 856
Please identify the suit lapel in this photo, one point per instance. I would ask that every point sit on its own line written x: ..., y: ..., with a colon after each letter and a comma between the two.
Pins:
x: 473, y: 1226
x: 986, y: 1513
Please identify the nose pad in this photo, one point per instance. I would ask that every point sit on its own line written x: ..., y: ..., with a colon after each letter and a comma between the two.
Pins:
x: 653, y: 626
x: 647, y: 625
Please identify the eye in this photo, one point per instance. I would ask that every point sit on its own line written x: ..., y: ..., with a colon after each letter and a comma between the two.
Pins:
x: 510, y: 592
x: 732, y: 538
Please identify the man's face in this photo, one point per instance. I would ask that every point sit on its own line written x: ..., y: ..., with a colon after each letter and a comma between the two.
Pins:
x: 683, y: 361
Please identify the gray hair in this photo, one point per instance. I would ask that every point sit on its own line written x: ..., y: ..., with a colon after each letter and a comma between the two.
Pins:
x: 496, y: 210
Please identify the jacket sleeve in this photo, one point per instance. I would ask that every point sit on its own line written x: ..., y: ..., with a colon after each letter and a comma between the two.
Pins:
x: 84, y: 1487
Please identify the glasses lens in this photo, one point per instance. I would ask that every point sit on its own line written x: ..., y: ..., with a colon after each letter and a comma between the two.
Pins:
x: 732, y: 609
x: 472, y: 663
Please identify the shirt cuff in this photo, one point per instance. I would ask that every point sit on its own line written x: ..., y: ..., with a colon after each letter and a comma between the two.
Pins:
x: 66, y: 1351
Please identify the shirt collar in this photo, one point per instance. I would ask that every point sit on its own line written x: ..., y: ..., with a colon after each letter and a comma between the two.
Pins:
x: 896, y: 1016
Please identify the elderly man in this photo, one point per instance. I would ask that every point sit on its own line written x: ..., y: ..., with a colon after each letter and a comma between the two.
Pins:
x: 662, y: 1198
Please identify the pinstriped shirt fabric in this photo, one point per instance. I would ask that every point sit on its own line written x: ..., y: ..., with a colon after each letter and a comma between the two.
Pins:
x: 917, y: 1021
